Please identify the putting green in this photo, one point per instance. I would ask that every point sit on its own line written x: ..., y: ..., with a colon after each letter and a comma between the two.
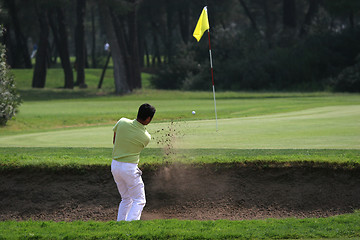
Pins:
x: 335, y: 127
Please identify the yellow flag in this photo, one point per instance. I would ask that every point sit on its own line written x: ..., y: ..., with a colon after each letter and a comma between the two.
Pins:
x: 202, y: 25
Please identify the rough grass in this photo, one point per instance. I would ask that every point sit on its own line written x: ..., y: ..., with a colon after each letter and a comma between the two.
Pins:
x: 339, y: 227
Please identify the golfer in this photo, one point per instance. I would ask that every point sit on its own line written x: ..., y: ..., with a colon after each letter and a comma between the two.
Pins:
x: 130, y: 137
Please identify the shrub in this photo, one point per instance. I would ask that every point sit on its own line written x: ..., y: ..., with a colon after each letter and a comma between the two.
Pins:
x: 9, y: 98
x: 348, y: 80
x: 173, y: 75
x: 243, y: 61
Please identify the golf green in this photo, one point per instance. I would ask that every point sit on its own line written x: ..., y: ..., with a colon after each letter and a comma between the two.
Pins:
x: 334, y: 127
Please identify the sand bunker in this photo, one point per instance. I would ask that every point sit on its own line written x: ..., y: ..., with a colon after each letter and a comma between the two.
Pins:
x: 183, y: 192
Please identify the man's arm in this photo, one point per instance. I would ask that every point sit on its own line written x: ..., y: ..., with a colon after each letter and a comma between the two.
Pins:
x: 114, y: 138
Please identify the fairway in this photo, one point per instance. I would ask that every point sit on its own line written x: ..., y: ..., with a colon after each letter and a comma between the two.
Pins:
x: 333, y: 127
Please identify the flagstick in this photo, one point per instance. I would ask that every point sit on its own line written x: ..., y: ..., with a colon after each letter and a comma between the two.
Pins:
x: 212, y: 78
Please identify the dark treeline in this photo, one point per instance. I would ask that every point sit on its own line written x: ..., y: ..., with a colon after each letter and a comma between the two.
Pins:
x: 257, y: 44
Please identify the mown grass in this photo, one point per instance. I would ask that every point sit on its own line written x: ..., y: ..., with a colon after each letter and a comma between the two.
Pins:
x: 57, y: 157
x: 334, y: 127
x: 171, y: 106
x: 55, y: 78
x: 339, y: 227
x: 55, y: 81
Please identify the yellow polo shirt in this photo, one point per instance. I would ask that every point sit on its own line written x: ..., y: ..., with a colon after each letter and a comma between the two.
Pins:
x: 131, y: 137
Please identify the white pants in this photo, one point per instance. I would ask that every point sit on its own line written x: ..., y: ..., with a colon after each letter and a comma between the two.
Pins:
x: 128, y: 179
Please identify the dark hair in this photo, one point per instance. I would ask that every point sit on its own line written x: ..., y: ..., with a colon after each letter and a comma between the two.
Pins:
x: 145, y: 111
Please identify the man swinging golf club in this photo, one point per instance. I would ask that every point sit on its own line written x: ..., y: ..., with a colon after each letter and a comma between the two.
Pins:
x: 130, y: 138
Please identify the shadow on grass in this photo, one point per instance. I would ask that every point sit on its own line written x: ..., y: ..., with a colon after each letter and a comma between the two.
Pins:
x: 33, y: 94
x: 60, y: 93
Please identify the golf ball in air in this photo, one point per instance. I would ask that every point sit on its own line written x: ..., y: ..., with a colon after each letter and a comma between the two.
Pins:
x: 193, y: 112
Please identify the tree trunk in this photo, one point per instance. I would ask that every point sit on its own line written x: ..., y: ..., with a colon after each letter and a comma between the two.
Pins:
x: 86, y: 55
x: 65, y: 61
x: 269, y: 26
x: 184, y: 16
x: 129, y: 46
x: 121, y: 85
x: 288, y: 34
x: 80, y: 43
x: 93, y: 42
x: 104, y: 70
x: 52, y: 48
x: 21, y: 45
x: 134, y: 49
x: 249, y: 15
x: 39, y: 76
x: 351, y: 19
x: 141, y: 44
x: 123, y: 43
x: 60, y: 38
x: 289, y: 14
x: 312, y: 11
x: 168, y: 41
x: 9, y: 46
x: 146, y: 51
x: 156, y: 59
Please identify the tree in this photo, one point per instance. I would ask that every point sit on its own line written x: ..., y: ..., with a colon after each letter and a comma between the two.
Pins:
x: 289, y: 23
x: 80, y: 43
x: 21, y: 56
x: 346, y: 9
x: 121, y: 85
x: 249, y: 15
x: 93, y: 37
x: 124, y: 44
x: 39, y: 76
x: 261, y: 33
x: 310, y: 14
x: 9, y: 98
x: 134, y: 66
x: 184, y: 19
x: 289, y: 14
x: 61, y: 40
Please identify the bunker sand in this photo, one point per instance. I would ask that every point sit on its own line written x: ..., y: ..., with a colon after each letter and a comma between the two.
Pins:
x: 210, y: 192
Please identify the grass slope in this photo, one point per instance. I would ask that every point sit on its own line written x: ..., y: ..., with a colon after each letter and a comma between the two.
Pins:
x: 79, y: 157
x: 49, y: 113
